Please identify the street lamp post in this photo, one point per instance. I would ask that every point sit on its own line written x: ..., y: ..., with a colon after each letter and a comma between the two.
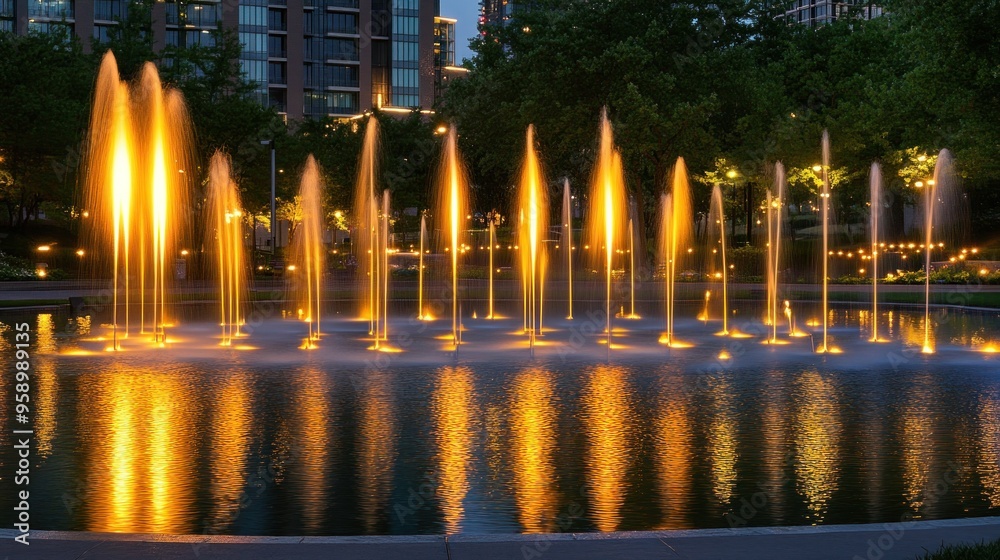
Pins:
x: 274, y: 221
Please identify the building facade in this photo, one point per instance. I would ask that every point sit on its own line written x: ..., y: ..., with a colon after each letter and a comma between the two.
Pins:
x: 307, y: 58
x: 500, y: 12
x: 813, y: 13
x: 340, y: 57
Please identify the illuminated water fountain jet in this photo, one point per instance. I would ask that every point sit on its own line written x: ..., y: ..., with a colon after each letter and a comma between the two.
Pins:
x: 717, y: 223
x: 567, y: 239
x: 383, y: 253
x: 675, y: 234
x: 608, y: 203
x: 453, y: 202
x: 492, y: 248
x: 224, y: 240
x: 825, y: 256
x: 308, y: 252
x: 164, y: 155
x: 631, y: 265
x: 943, y: 209
x: 875, y: 234
x: 420, y: 268
x: 371, y: 236
x: 775, y: 208
x: 533, y: 209
x: 109, y: 181
x: 138, y: 187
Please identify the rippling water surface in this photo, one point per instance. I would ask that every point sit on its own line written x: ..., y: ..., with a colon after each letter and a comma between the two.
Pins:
x: 267, y: 442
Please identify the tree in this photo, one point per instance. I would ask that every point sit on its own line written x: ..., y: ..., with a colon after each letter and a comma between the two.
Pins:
x: 45, y: 81
x: 674, y: 76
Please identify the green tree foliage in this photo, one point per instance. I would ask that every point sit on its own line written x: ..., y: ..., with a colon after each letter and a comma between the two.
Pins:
x: 45, y: 82
x: 730, y: 81
x: 408, y: 156
x: 677, y: 78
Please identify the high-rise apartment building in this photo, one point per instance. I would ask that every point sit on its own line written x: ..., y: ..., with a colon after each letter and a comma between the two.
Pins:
x: 446, y: 66
x: 340, y: 57
x: 821, y: 12
x: 500, y: 12
x: 307, y: 58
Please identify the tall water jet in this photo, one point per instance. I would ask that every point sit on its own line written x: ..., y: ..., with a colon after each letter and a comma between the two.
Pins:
x: 452, y: 205
x: 383, y: 251
x: 224, y: 240
x: 675, y: 234
x: 493, y: 244
x: 533, y: 207
x: 631, y: 265
x: 825, y: 217
x: 775, y: 209
x: 420, y: 267
x: 717, y: 223
x: 567, y: 239
x: 875, y: 230
x: 137, y: 186
x: 164, y: 183
x: 110, y: 182
x: 368, y: 238
x: 608, y: 205
x: 943, y: 213
x: 308, y: 252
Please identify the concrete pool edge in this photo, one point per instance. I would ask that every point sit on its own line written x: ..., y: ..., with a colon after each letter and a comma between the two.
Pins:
x: 792, y: 530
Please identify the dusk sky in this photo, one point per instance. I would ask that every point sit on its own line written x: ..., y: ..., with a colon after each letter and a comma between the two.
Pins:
x: 467, y: 14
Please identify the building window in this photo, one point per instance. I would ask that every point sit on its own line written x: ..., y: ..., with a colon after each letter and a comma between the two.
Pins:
x: 346, y: 24
x: 109, y: 10
x: 277, y: 20
x: 276, y: 46
x: 342, y: 76
x: 203, y: 15
x: 7, y: 15
x: 253, y: 18
x: 54, y: 9
x: 277, y: 99
x: 276, y: 73
x: 405, y: 53
x: 102, y: 33
x: 341, y: 49
x: 318, y: 104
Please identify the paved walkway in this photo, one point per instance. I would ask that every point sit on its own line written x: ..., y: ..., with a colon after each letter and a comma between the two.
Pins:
x: 835, y: 542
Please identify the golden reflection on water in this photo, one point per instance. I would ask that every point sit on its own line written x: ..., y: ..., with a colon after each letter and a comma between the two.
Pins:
x: 141, y: 476
x: 989, y: 448
x: 452, y: 404
x: 917, y: 431
x: 607, y: 416
x: 776, y: 452
x: 673, y: 457
x: 377, y: 442
x: 533, y: 430
x: 46, y: 383
x: 722, y: 440
x: 911, y: 329
x: 310, y: 459
x: 817, y: 442
x: 230, y: 433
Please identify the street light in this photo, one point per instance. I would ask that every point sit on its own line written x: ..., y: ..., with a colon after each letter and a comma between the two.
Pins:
x: 274, y: 222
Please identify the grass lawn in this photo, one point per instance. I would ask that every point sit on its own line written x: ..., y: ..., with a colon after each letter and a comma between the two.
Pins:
x: 984, y: 551
x: 960, y: 297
